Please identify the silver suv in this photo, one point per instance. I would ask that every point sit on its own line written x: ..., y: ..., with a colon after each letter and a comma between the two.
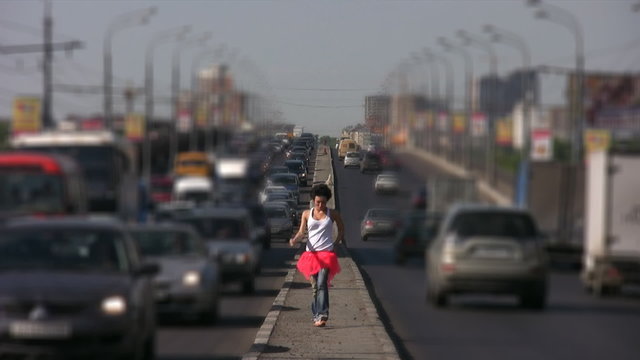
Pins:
x: 487, y: 249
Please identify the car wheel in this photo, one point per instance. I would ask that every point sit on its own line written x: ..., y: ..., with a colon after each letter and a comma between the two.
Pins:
x: 534, y: 300
x: 249, y: 286
x: 365, y: 237
x: 400, y: 258
x: 209, y: 316
x: 147, y: 350
x: 440, y: 299
x: 437, y: 297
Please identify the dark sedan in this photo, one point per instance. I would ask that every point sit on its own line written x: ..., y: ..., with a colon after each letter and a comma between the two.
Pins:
x: 379, y: 222
x: 74, y: 289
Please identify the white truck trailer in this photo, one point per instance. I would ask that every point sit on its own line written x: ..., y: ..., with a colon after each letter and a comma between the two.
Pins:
x: 612, y: 238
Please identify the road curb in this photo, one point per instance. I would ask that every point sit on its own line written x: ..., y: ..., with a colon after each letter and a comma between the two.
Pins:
x: 264, y: 333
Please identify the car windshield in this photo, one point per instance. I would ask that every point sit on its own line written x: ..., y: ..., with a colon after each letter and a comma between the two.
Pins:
x: 295, y: 166
x: 499, y: 224
x: 382, y: 213
x: 277, y: 196
x: 387, y: 178
x: 283, y: 180
x: 218, y: 228
x: 31, y: 192
x: 198, y: 163
x: 163, y: 242
x: 63, y: 249
x: 275, y: 213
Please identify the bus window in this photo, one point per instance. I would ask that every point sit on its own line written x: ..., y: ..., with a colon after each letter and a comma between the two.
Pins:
x: 38, y: 183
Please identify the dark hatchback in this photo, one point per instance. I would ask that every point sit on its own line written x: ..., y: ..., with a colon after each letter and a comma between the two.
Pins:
x: 370, y: 162
x: 74, y: 288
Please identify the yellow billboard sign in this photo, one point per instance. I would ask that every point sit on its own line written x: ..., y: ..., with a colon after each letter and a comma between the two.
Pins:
x: 596, y: 140
x: 134, y: 127
x: 26, y: 115
x: 458, y: 123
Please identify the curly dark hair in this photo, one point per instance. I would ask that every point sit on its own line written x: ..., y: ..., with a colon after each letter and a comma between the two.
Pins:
x: 320, y: 190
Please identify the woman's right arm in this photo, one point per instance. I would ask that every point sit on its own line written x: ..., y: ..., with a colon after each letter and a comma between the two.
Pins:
x: 303, y: 227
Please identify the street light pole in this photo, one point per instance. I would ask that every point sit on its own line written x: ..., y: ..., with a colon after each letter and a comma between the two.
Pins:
x: 490, y: 154
x: 166, y: 36
x: 448, y: 84
x: 510, y: 38
x: 197, y: 92
x: 568, y: 20
x: 175, y: 88
x: 468, y: 70
x: 568, y: 210
x: 130, y: 19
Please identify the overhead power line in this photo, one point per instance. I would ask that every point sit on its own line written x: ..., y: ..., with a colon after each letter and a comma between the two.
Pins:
x: 322, y: 89
x: 320, y: 106
x: 16, y: 26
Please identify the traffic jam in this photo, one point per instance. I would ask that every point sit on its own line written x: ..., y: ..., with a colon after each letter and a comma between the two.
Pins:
x: 92, y: 256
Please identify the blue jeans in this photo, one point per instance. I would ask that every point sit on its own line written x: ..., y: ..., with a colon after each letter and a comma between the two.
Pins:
x: 320, y: 302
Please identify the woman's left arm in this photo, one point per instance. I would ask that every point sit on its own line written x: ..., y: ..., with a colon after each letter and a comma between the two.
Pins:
x: 335, y: 215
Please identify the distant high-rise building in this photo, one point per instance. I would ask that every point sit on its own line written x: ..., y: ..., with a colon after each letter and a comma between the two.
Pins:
x: 376, y: 112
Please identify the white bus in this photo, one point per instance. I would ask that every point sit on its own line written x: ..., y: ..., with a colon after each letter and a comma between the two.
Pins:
x: 108, y: 164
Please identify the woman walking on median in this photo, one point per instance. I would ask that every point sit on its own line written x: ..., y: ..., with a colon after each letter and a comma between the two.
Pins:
x: 319, y: 263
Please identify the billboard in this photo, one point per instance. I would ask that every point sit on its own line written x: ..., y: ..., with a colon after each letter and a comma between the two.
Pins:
x: 541, y: 145
x: 478, y: 124
x: 134, y: 127
x: 27, y: 112
x: 596, y: 140
x: 611, y: 101
x: 504, y: 132
x: 458, y: 123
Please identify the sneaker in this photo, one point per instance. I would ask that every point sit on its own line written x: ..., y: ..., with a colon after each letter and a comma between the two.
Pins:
x: 320, y: 323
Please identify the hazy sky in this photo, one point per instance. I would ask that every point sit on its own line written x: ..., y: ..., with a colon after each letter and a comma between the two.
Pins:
x: 304, y: 48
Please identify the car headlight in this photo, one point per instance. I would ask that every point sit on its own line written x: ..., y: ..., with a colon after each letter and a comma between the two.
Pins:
x: 114, y: 305
x: 191, y: 278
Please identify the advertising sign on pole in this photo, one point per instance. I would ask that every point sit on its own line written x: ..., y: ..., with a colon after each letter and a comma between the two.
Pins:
x: 541, y: 145
x: 504, y: 132
x: 478, y: 125
x: 202, y: 115
x: 596, y: 140
x: 184, y: 121
x: 134, y: 127
x: 443, y: 119
x: 26, y: 115
x: 458, y: 123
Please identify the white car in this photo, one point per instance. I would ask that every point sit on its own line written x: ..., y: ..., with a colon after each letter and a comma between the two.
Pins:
x: 271, y: 189
x: 386, y: 183
x: 198, y: 189
x: 352, y: 158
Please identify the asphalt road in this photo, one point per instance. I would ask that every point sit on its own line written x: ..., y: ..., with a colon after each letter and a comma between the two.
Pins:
x: 575, y: 325
x: 240, y: 315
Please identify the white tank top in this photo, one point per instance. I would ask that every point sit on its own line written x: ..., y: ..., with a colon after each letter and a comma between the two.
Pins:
x: 319, y: 233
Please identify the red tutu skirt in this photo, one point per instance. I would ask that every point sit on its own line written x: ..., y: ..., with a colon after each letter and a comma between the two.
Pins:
x: 311, y: 262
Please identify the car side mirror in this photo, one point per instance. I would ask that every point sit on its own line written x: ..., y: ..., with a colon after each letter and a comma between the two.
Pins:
x: 148, y: 269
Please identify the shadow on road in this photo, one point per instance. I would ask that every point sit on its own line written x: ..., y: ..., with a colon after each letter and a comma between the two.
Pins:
x: 198, y: 357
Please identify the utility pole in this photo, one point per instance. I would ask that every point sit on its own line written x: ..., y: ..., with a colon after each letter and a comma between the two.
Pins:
x: 47, y: 119
x: 47, y: 47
